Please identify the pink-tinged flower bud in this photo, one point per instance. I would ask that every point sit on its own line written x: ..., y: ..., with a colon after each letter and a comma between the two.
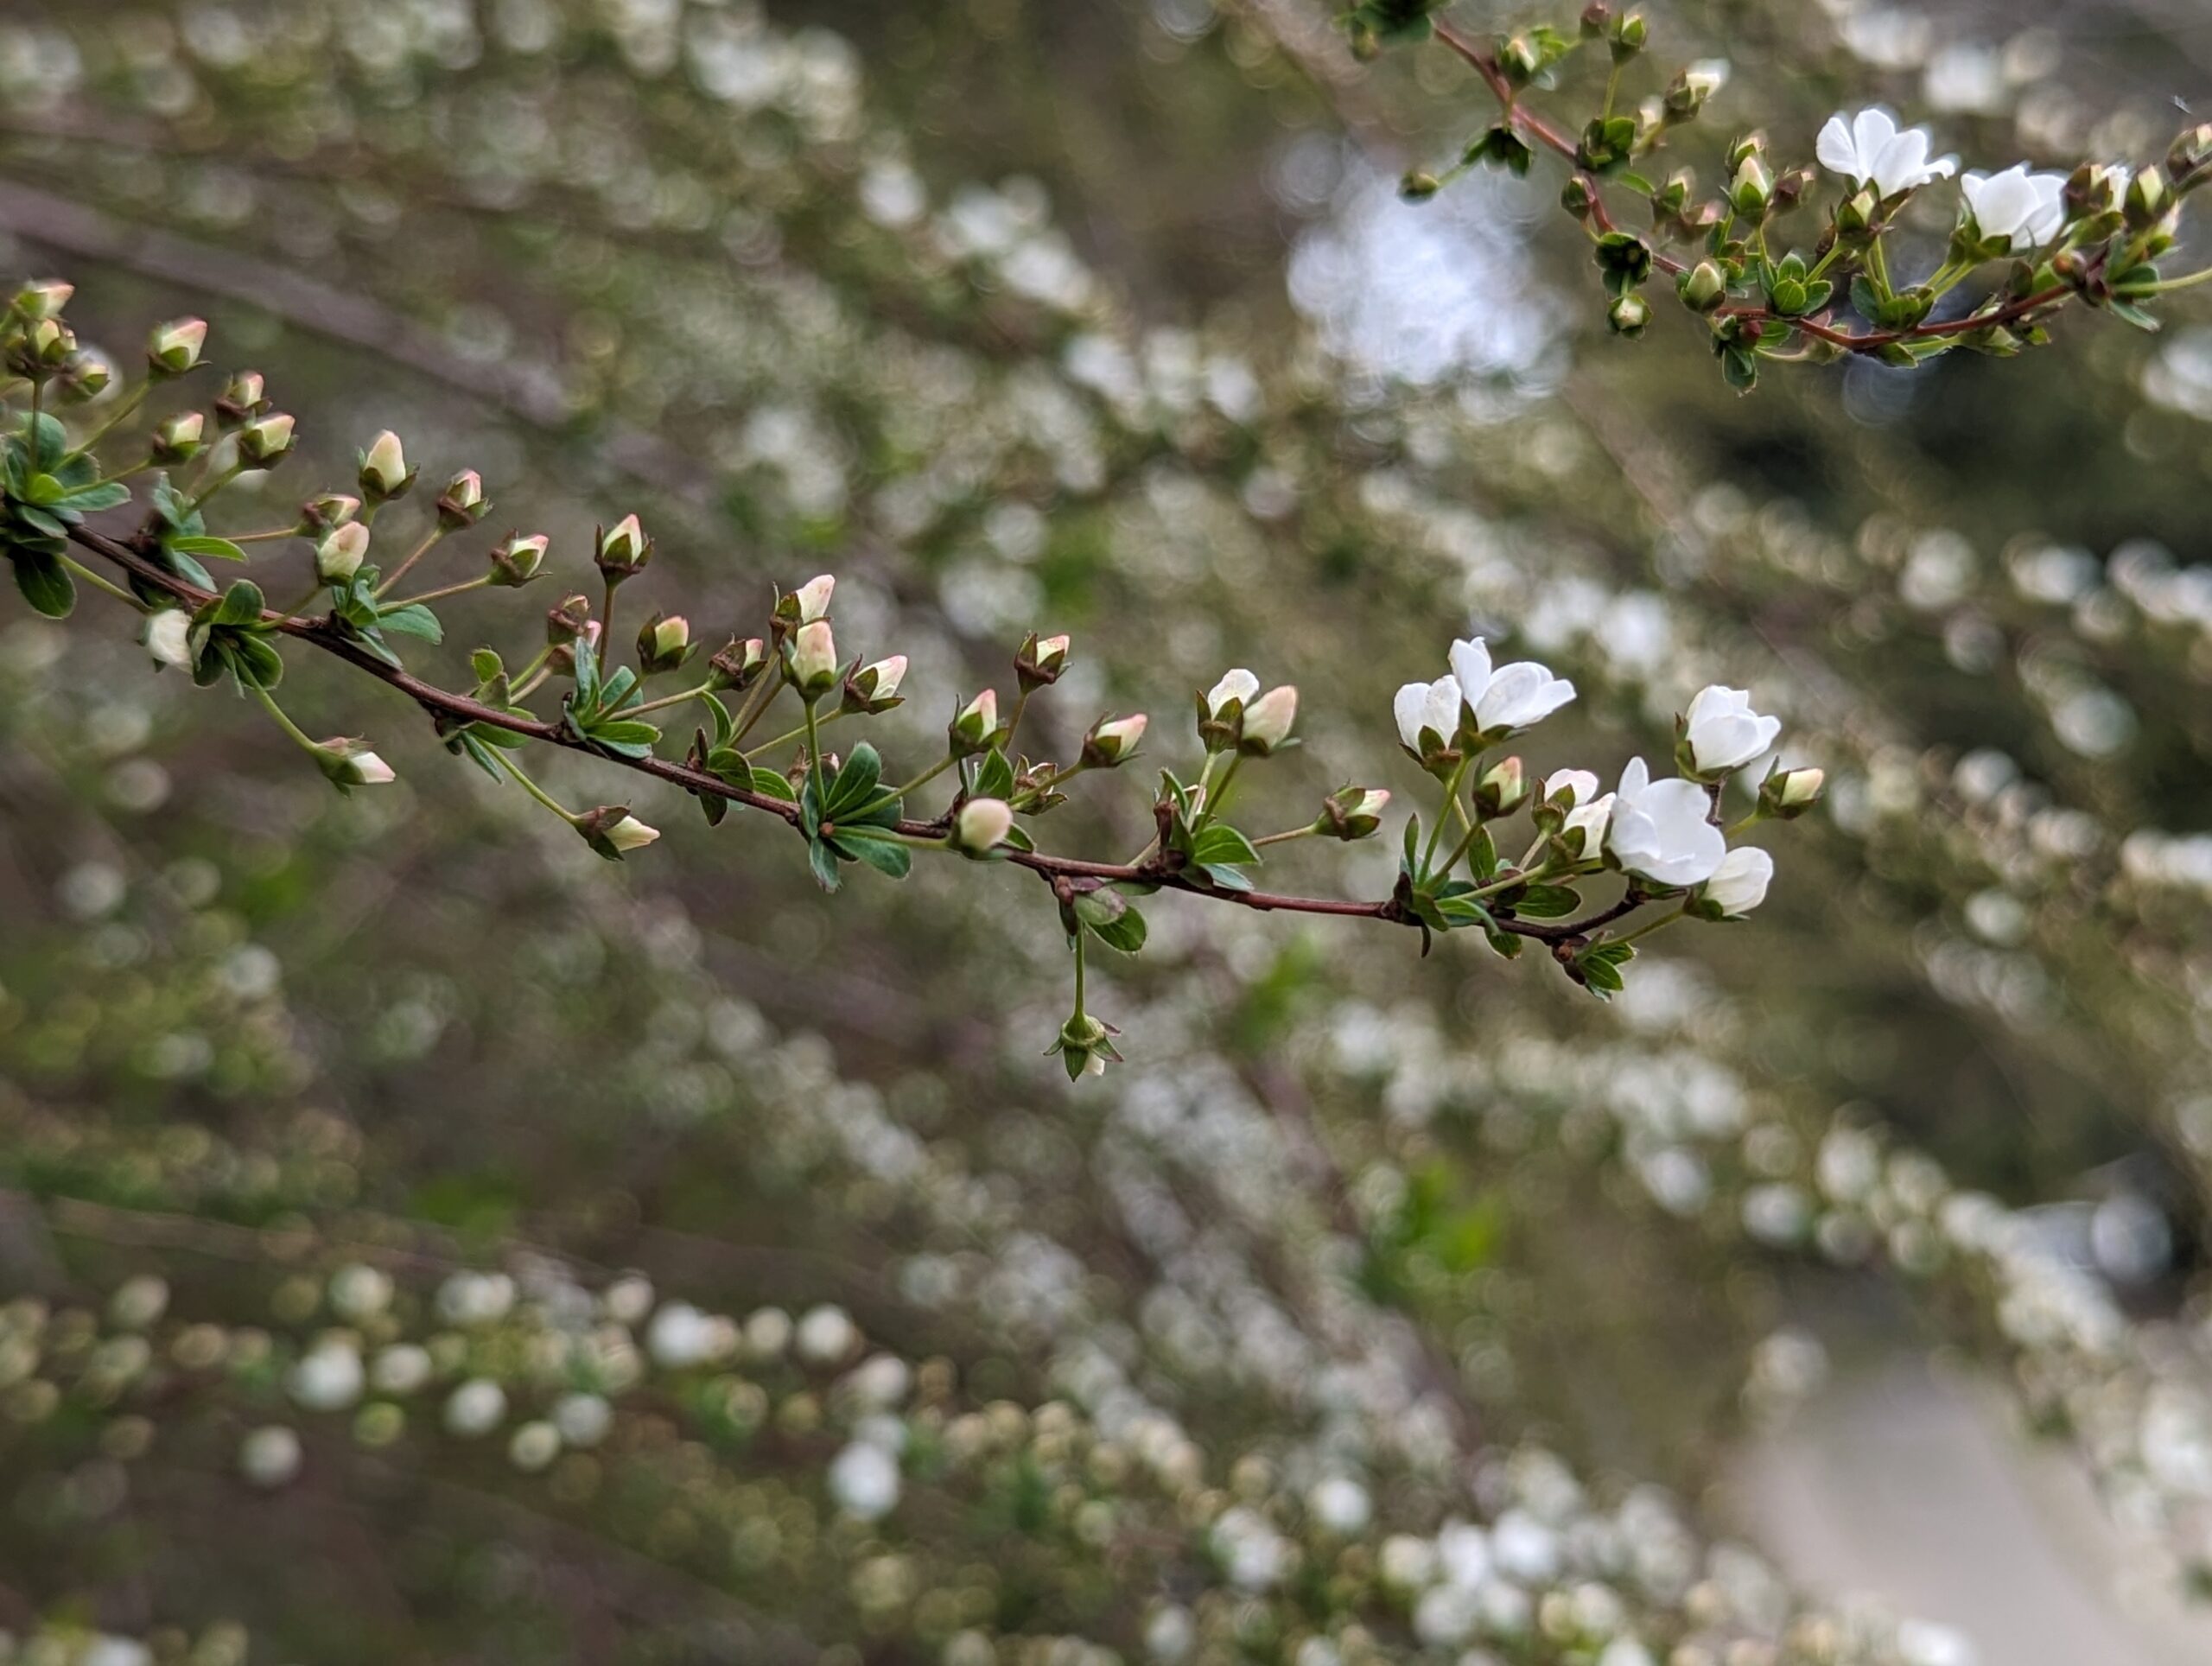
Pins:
x: 664, y: 643
x: 814, y: 660
x: 243, y: 399
x: 44, y: 299
x: 87, y: 375
x: 980, y: 826
x: 1113, y: 741
x: 621, y: 551
x: 567, y: 621
x: 1042, y: 661
x: 874, y: 687
x: 1351, y: 812
x: 977, y: 726
x: 1503, y: 789
x: 174, y: 348
x: 267, y: 441
x: 462, y: 504
x: 177, y: 439
x: 813, y: 597
x: 338, y: 557
x: 1267, y: 720
x: 348, y: 764
x: 739, y: 664
x: 383, y: 471
x: 516, y: 560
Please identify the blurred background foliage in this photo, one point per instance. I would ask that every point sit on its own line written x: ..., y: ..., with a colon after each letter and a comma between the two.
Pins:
x: 1101, y: 317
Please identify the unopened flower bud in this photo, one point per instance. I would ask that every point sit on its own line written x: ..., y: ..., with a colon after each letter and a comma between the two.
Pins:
x: 1628, y: 314
x: 177, y: 439
x: 980, y: 826
x: 1789, y: 794
x: 874, y: 687
x: 243, y: 397
x: 1267, y: 720
x: 2148, y: 200
x: 1854, y: 215
x: 1752, y: 187
x: 976, y: 725
x: 565, y: 621
x: 44, y: 299
x: 1574, y: 196
x: 326, y: 510
x: 1040, y: 662
x: 87, y: 375
x: 517, y: 559
x: 169, y: 637
x: 664, y: 643
x: 1687, y: 94
x: 338, y: 557
x: 174, y: 348
x: 1419, y: 185
x: 1703, y: 287
x: 461, y: 504
x: 1629, y: 32
x: 266, y: 441
x: 1351, y: 812
x: 1085, y: 1045
x: 612, y: 831
x: 1738, y: 885
x: 1503, y: 789
x: 814, y: 660
x: 384, y: 473
x: 622, y: 550
x: 739, y: 664
x: 804, y: 606
x: 2188, y: 161
x: 44, y: 348
x: 1113, y: 741
x: 349, y: 764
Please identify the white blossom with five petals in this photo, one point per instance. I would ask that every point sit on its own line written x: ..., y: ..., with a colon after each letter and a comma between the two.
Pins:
x: 2025, y: 209
x: 1870, y: 149
x: 1509, y: 698
x: 1663, y: 829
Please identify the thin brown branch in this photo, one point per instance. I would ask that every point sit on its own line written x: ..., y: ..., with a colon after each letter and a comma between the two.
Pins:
x: 453, y: 711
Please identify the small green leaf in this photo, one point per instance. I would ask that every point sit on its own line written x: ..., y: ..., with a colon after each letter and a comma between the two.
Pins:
x: 770, y: 784
x: 1546, y: 902
x: 994, y: 776
x: 824, y: 861
x: 1221, y: 845
x: 1224, y: 877
x: 1125, y: 931
x: 413, y: 620
x: 239, y: 605
x: 45, y: 583
x: 880, y: 851
x: 198, y: 544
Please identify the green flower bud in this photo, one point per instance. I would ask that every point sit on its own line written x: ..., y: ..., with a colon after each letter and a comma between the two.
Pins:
x: 1351, y: 812
x: 622, y: 550
x: 174, y: 347
x: 1419, y: 185
x: 266, y: 441
x: 1627, y: 316
x: 328, y: 509
x: 1503, y: 789
x: 739, y: 664
x: 1113, y: 741
x: 43, y: 299
x: 813, y: 670
x: 178, y: 439
x: 614, y: 832
x: 243, y: 399
x: 462, y: 504
x: 664, y: 643
x: 516, y: 560
x: 2148, y: 200
x: 1702, y: 288
x: 1039, y: 665
x: 1787, y: 794
x: 384, y: 472
x: 975, y: 727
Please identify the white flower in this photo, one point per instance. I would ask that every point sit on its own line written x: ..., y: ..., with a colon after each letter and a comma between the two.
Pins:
x: 327, y: 1377
x: 1592, y: 818
x: 1239, y: 685
x: 476, y: 1407
x: 1340, y: 1503
x: 1511, y: 697
x: 1428, y: 706
x: 269, y: 1456
x: 582, y: 1419
x: 1870, y: 149
x: 826, y: 1334
x: 864, y: 1481
x: 169, y: 637
x: 1268, y: 720
x: 401, y: 1368
x: 1738, y: 885
x: 1725, y: 733
x: 1581, y: 785
x: 681, y: 1335
x: 981, y: 824
x: 534, y: 1445
x: 2024, y: 208
x: 1659, y: 829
